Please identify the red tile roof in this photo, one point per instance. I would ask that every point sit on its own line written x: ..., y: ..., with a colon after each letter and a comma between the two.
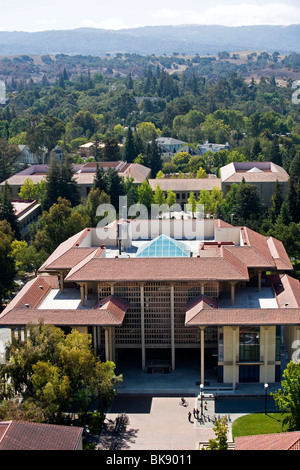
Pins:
x: 279, y: 254
x: 32, y: 293
x: 249, y: 257
x: 156, y: 269
x: 278, y: 441
x: 194, y: 306
x: 68, y: 259
x: 62, y: 249
x: 21, y: 435
x: 111, y: 313
x: 245, y: 316
x: 258, y: 242
x: 288, y: 292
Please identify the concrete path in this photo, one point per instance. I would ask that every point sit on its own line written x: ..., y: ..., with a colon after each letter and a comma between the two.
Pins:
x: 155, y: 423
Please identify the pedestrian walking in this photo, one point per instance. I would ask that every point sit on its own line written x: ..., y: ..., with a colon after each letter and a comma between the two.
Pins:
x: 189, y: 416
x: 197, y: 413
x: 194, y: 413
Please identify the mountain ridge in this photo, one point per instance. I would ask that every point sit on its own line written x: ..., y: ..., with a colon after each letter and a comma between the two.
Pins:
x: 189, y: 39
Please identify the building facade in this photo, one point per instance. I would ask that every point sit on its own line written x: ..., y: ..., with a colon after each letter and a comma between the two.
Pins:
x: 263, y: 175
x: 83, y: 174
x: 166, y: 291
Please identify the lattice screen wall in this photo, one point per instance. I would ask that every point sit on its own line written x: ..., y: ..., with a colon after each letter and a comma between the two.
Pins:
x: 157, y: 314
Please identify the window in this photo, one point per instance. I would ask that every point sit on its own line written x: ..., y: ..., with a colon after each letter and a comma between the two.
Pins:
x: 249, y: 343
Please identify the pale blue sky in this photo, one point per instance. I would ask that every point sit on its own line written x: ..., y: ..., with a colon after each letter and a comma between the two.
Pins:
x: 38, y: 15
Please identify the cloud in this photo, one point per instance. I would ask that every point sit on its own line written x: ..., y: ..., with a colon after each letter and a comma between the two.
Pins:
x: 244, y: 14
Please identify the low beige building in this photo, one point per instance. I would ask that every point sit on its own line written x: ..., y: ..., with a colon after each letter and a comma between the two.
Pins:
x: 182, y: 187
x: 27, y: 212
x: 83, y: 174
x: 262, y: 174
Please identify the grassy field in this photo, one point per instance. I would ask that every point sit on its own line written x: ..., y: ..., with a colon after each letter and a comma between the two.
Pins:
x: 258, y: 423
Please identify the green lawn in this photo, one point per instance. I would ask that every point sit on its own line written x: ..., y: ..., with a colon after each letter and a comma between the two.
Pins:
x: 257, y: 423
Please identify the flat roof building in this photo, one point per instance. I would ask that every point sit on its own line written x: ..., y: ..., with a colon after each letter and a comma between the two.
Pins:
x: 262, y: 174
x: 27, y: 212
x: 83, y: 174
x: 202, y: 291
x: 182, y: 187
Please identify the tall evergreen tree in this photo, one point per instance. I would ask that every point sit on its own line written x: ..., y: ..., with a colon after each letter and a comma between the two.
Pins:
x: 249, y: 205
x: 276, y: 201
x: 295, y: 168
x: 7, y: 211
x: 284, y: 217
x: 60, y: 183
x: 68, y: 185
x: 129, y: 147
x: 153, y: 158
x: 275, y: 153
x: 256, y: 150
x: 115, y: 187
x: 7, y: 262
x: 111, y: 151
x: 100, y: 179
x: 293, y: 201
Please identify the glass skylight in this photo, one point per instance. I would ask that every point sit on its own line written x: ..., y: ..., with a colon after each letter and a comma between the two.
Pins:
x: 163, y: 247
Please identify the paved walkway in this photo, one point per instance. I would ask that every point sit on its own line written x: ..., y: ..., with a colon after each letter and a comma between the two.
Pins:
x: 157, y: 423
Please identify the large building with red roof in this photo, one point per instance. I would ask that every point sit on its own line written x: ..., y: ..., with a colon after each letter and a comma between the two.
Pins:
x: 160, y: 290
x: 83, y: 174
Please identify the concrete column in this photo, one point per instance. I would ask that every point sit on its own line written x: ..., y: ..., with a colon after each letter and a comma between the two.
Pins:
x: 202, y: 353
x: 82, y: 294
x: 61, y: 277
x: 98, y: 330
x: 143, y: 327
x: 113, y: 345
x: 266, y: 355
x: 259, y: 280
x: 172, y: 327
x: 202, y: 288
x: 110, y: 344
x: 12, y: 333
x: 19, y: 333
x: 86, y: 289
x: 232, y: 288
x: 107, y: 356
x: 112, y: 289
x: 95, y: 339
x: 234, y: 339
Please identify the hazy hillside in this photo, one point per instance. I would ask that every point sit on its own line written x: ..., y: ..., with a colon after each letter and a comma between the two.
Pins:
x: 188, y: 39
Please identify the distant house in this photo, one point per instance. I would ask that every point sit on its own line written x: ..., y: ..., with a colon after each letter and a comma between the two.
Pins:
x: 27, y: 157
x: 58, y: 153
x: 262, y: 174
x: 88, y: 149
x: 187, y: 148
x: 22, y: 435
x: 210, y: 147
x: 168, y: 145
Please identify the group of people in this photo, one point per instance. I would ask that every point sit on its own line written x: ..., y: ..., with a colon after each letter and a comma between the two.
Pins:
x: 195, y: 413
